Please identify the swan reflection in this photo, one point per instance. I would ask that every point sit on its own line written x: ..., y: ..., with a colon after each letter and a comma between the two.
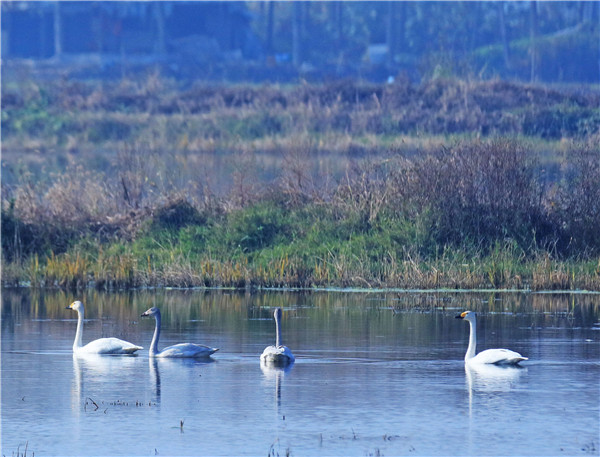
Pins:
x: 155, y: 377
x: 94, y: 369
x: 487, y: 380
x: 172, y: 368
x: 77, y: 389
x: 275, y: 373
x: 492, y: 378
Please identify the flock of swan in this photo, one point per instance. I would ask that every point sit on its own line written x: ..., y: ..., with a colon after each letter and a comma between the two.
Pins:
x: 278, y: 354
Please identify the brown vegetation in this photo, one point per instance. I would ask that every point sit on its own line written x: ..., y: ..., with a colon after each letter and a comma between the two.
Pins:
x: 140, y: 201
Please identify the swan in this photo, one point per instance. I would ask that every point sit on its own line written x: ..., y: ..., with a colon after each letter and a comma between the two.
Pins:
x: 489, y: 356
x: 182, y: 350
x: 278, y: 354
x: 99, y: 346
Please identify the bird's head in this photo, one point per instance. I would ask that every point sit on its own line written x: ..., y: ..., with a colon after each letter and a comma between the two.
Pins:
x: 75, y: 306
x: 467, y: 316
x: 150, y: 312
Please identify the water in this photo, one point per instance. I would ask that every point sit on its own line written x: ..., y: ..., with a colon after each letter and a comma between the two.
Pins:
x: 376, y: 374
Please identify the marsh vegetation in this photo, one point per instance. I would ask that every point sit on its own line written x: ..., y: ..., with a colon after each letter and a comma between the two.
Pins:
x: 445, y: 184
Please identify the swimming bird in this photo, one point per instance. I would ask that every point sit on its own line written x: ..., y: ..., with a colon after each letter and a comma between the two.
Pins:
x: 278, y: 354
x: 99, y: 346
x: 493, y: 356
x: 182, y: 350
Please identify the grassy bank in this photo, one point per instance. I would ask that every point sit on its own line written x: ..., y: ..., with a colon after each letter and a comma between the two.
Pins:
x: 173, y: 268
x: 448, y: 184
x: 473, y: 216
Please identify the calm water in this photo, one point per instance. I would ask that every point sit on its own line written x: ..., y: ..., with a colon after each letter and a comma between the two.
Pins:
x: 376, y: 374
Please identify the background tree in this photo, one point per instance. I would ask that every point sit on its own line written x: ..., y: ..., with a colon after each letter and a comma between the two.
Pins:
x: 533, y: 33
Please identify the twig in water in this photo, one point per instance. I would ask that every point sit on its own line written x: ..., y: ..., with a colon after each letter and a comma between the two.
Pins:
x: 94, y: 403
x: 19, y: 450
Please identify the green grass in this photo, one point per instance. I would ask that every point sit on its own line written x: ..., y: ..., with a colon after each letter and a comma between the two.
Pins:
x: 269, y: 246
x: 338, y: 185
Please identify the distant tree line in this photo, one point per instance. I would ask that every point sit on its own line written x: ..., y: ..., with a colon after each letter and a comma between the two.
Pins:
x: 530, y: 41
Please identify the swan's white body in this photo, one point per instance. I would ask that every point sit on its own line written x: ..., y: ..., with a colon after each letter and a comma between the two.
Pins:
x: 99, y: 346
x: 489, y: 356
x: 182, y: 350
x: 278, y: 354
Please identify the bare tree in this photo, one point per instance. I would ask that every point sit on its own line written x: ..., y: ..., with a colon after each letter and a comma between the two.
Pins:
x: 533, y: 33
x: 391, y: 34
x: 297, y: 34
x: 270, y: 27
x: 160, y: 27
x: 57, y: 30
x: 504, y: 34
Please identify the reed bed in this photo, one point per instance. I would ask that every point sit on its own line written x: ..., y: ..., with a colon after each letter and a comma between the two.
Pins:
x: 76, y: 272
x: 448, y: 184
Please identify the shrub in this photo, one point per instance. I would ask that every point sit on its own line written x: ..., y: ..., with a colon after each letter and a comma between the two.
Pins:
x: 175, y: 215
x: 555, y: 122
x: 108, y: 129
x: 480, y: 192
x: 577, y: 202
x: 256, y: 227
x: 255, y: 125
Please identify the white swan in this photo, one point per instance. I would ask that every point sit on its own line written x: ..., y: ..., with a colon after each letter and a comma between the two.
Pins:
x: 182, y: 350
x: 278, y: 354
x: 102, y: 345
x: 493, y: 356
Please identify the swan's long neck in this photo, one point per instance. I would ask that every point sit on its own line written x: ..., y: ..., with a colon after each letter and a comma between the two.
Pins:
x: 472, y: 340
x: 277, y: 331
x: 79, y: 333
x: 156, y: 336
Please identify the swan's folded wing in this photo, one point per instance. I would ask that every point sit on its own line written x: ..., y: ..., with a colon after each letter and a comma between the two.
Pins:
x: 277, y: 354
x: 110, y: 346
x: 187, y: 350
x: 498, y: 357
